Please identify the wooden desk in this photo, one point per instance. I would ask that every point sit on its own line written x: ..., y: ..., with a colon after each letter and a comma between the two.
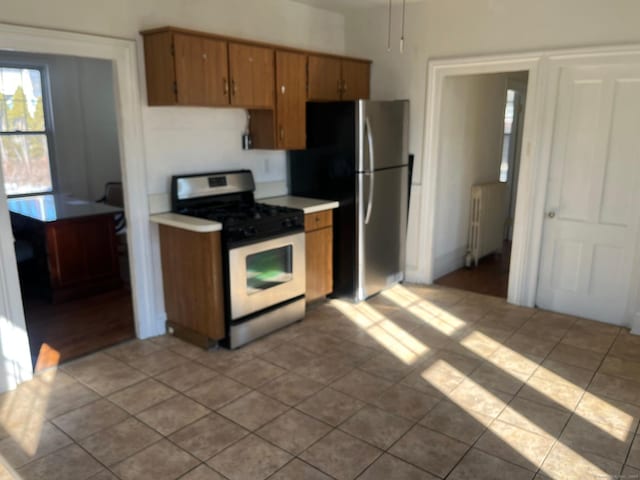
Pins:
x: 75, y: 240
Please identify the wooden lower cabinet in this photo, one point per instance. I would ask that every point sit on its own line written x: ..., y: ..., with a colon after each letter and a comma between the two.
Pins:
x: 74, y: 258
x: 319, y: 254
x: 82, y: 257
x: 193, y: 284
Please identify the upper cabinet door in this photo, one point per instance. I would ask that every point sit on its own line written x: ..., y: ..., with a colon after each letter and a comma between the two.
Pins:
x: 216, y: 72
x: 160, y: 69
x: 355, y: 80
x: 190, y: 69
x: 184, y: 69
x: 252, y: 76
x: 324, y: 78
x: 291, y: 96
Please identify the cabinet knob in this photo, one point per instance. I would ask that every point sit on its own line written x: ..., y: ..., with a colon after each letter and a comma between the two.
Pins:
x: 339, y: 86
x: 283, y: 89
x: 204, y: 56
x: 226, y: 85
x: 281, y: 133
x: 344, y: 86
x: 234, y: 87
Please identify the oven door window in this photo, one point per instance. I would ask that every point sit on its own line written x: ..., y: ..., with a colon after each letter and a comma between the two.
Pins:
x: 269, y: 269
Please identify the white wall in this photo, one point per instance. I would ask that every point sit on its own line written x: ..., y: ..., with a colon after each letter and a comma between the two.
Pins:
x: 471, y: 132
x: 438, y: 29
x: 182, y: 140
x: 85, y: 135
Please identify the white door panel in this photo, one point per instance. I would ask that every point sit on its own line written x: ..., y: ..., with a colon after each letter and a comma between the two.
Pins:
x: 591, y: 232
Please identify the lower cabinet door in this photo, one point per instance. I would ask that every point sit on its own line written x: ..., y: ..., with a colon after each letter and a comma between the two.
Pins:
x: 319, y: 253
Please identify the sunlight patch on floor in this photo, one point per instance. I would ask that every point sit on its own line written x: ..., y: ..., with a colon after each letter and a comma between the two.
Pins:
x: 400, y: 296
x: 434, y: 322
x: 481, y: 395
x: 383, y: 330
x: 393, y: 346
x: 404, y: 337
x: 23, y: 411
x: 480, y: 344
x: 361, y: 314
x: 47, y: 357
x: 429, y: 313
x: 438, y: 374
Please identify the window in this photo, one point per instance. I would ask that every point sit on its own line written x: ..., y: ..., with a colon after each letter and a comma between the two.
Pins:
x: 24, y: 132
x: 509, y: 111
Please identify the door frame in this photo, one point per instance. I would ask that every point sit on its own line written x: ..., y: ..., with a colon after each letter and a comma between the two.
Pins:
x: 521, y: 259
x: 14, y: 345
x: 534, y: 162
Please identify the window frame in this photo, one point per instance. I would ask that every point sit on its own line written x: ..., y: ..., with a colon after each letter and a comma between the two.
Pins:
x: 49, y: 131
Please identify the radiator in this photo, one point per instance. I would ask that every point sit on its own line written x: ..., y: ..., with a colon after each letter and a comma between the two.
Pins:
x: 488, y: 217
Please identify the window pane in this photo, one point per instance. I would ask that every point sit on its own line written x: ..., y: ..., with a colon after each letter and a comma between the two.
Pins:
x: 269, y: 269
x: 504, y: 163
x: 21, y: 106
x: 509, y: 111
x: 25, y: 163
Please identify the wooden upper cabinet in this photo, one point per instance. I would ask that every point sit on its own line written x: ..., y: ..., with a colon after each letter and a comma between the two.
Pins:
x: 201, y: 71
x: 291, y: 96
x: 355, y: 80
x: 332, y: 79
x: 216, y: 72
x: 324, y: 78
x: 184, y: 69
x: 160, y: 69
x: 252, y: 73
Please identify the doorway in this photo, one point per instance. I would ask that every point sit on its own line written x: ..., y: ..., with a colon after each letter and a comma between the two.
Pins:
x: 482, y: 121
x: 61, y: 167
x: 15, y: 360
x: 539, y: 258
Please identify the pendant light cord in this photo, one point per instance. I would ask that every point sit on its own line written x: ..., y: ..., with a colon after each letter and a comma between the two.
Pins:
x: 404, y: 11
x: 389, y: 29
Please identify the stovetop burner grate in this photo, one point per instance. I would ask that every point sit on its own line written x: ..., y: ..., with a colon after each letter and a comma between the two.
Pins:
x: 228, y: 198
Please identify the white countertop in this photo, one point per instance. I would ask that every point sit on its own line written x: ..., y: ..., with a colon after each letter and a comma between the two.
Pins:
x: 53, y: 207
x: 185, y: 222
x: 307, y: 205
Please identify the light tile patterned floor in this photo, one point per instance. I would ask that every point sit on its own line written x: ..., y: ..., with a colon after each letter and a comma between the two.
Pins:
x: 417, y: 383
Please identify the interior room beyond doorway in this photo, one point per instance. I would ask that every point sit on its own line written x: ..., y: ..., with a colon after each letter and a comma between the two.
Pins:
x: 61, y: 163
x: 480, y: 144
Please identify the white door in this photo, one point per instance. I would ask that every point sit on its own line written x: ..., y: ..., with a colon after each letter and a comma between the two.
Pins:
x: 591, y: 229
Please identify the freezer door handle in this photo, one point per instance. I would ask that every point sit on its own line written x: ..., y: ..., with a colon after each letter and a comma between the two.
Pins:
x: 371, y: 174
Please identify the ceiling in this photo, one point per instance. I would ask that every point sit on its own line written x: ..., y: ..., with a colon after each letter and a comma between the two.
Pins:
x: 342, y: 5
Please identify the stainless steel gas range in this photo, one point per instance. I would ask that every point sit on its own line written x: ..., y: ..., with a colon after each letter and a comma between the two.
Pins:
x: 263, y: 251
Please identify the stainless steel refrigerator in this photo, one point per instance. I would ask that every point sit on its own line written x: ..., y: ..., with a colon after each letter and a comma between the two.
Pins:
x: 357, y: 153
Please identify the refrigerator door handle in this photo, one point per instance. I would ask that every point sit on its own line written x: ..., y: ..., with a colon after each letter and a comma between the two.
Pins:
x: 372, y: 163
x: 371, y: 174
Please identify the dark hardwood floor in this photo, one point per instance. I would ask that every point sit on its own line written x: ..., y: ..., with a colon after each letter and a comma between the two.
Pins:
x: 490, y: 277
x: 60, y: 332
